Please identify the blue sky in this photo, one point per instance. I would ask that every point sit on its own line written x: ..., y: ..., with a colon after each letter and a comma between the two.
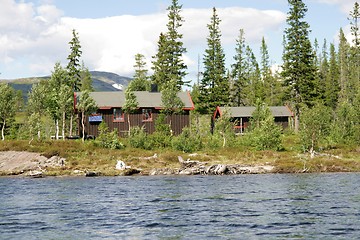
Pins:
x: 34, y: 34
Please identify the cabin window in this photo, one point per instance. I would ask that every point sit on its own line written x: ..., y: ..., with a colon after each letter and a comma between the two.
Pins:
x: 147, y: 115
x: 118, y: 115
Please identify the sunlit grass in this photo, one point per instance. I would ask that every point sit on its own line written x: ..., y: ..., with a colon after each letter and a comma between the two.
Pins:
x: 87, y: 156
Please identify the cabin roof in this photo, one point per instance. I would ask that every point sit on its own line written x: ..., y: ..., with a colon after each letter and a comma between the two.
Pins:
x: 277, y: 111
x: 145, y: 99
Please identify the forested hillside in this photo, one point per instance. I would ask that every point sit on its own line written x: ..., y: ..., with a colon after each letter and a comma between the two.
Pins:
x: 319, y: 80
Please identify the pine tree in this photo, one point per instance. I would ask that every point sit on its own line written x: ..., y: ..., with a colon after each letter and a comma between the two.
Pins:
x: 214, y: 86
x: 74, y: 66
x: 168, y: 64
x: 299, y: 69
x: 140, y: 80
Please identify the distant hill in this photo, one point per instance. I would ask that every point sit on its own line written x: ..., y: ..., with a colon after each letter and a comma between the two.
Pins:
x: 102, y: 81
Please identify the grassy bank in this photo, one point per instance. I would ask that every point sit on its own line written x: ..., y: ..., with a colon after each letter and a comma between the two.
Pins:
x: 88, y: 157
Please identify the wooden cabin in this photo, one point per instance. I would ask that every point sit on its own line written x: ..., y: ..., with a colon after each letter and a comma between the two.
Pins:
x: 240, y: 116
x: 149, y: 106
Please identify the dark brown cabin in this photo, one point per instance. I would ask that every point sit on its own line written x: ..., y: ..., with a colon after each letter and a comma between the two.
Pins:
x: 149, y: 107
x: 240, y: 116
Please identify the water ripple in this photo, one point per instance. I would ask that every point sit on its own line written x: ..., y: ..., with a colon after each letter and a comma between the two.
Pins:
x: 307, y: 206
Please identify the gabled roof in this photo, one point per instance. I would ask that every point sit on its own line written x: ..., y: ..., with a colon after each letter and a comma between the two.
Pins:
x: 144, y: 98
x: 277, y: 111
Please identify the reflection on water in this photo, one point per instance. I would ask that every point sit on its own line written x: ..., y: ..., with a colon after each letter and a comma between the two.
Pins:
x: 289, y: 206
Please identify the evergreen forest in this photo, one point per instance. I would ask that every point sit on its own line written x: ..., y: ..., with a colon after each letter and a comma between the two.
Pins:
x: 318, y: 80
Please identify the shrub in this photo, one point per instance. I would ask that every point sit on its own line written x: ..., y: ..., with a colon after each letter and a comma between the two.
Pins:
x: 264, y: 133
x: 187, y: 141
x: 315, y: 126
x: 107, y: 139
x: 138, y: 138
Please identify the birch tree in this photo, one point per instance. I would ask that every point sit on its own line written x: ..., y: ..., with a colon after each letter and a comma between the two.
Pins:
x: 86, y: 105
x: 7, y: 106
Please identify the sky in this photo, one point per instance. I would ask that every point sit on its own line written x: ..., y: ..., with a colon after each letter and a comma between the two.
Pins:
x: 35, y: 34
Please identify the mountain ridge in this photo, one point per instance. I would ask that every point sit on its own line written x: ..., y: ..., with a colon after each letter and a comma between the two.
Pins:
x: 102, y: 81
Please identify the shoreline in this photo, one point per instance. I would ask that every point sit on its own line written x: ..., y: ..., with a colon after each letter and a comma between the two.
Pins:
x: 37, y: 165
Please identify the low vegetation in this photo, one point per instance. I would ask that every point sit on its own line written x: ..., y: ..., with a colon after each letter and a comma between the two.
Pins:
x: 91, y: 156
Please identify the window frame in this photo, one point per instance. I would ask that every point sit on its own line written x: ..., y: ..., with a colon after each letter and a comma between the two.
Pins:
x: 145, y: 112
x: 118, y: 117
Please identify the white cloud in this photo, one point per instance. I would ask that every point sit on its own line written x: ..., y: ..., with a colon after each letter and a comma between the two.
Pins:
x: 35, y: 37
x: 345, y: 5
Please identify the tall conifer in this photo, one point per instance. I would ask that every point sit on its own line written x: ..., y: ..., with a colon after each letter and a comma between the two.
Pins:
x: 168, y: 64
x: 214, y: 86
x: 299, y: 69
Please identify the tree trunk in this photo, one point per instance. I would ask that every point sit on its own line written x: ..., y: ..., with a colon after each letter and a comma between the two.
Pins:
x: 297, y: 119
x: 2, y: 130
x: 63, y: 125
x: 57, y: 129
x: 83, y: 126
x: 71, y: 126
x: 128, y: 117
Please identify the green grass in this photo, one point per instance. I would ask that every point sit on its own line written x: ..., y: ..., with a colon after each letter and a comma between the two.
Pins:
x: 88, y: 157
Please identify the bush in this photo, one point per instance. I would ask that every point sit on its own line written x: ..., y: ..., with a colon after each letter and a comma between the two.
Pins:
x: 187, y: 142
x: 345, y: 129
x: 139, y: 139
x: 315, y: 126
x: 264, y: 133
x: 107, y: 139
x: 162, y: 136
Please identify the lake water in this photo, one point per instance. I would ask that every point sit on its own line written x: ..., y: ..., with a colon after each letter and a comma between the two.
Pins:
x: 271, y: 206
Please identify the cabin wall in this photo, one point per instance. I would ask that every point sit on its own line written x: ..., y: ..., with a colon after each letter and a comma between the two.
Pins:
x: 242, y: 123
x: 178, y: 122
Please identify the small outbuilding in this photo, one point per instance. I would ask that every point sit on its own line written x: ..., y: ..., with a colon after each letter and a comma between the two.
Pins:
x: 240, y: 116
x: 149, y: 107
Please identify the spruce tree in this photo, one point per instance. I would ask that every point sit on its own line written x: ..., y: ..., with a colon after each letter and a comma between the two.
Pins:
x: 168, y: 64
x: 344, y: 61
x: 86, y: 80
x: 140, y: 80
x: 238, y: 72
x: 74, y: 67
x: 332, y: 86
x: 354, y: 18
x: 160, y: 63
x: 254, y: 84
x: 299, y: 69
x: 214, y: 86
x: 272, y: 89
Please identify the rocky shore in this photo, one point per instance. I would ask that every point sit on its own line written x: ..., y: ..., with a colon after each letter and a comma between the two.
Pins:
x: 27, y: 163
x: 36, y: 165
x: 193, y: 167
